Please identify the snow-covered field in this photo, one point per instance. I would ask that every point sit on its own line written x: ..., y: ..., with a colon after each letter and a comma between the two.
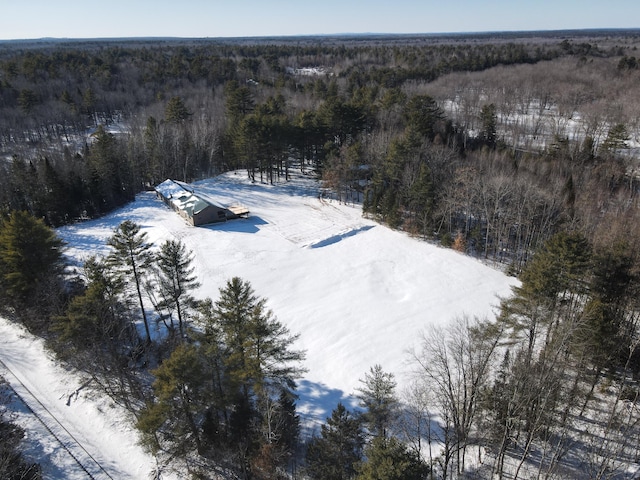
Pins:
x: 358, y: 293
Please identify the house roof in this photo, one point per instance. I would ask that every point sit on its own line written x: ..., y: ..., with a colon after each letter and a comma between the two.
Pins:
x: 183, y: 197
x: 169, y: 188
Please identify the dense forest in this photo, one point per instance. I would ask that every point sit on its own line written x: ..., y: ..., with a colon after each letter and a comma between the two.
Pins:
x: 520, y: 149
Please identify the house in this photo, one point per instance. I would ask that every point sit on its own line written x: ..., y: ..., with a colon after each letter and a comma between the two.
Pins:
x: 195, y: 207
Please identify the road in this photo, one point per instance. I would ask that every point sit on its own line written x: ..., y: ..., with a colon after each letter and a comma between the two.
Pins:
x: 75, y: 433
x: 67, y: 441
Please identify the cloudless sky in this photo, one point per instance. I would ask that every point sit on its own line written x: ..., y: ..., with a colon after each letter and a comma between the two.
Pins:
x: 27, y: 19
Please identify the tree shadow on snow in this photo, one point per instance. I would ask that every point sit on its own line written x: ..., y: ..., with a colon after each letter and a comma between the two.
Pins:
x: 340, y: 236
x: 316, y: 402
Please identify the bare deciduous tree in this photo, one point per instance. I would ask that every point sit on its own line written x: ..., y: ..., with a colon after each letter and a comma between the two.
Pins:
x: 454, y: 364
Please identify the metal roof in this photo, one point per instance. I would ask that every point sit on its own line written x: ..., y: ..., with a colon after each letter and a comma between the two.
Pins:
x: 182, y: 197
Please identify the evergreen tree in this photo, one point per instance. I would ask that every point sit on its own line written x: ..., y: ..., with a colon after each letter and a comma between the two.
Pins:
x: 154, y: 170
x: 288, y: 422
x: 336, y: 452
x: 108, y: 182
x: 31, y: 263
x: 423, y: 114
x: 97, y: 336
x: 25, y: 191
x: 239, y: 101
x: 342, y: 120
x: 89, y: 103
x: 384, y: 195
x: 377, y: 396
x: 176, y: 279
x: 27, y: 100
x: 95, y: 317
x: 252, y: 369
x: 258, y: 346
x: 422, y: 196
x: 555, y: 277
x: 617, y: 139
x: 501, y: 411
x: 176, y: 111
x: 131, y: 255
x: 489, y: 120
x: 213, y: 353
x: 389, y: 459
x: 173, y: 421
x: 608, y: 336
x: 309, y: 136
x: 58, y: 206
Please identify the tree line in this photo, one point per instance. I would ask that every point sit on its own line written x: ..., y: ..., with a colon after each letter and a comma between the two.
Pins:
x: 447, y: 156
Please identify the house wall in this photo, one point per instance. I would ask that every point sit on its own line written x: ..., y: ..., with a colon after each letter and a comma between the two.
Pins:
x: 211, y: 214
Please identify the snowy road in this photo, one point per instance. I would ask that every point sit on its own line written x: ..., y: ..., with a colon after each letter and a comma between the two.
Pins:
x: 93, y: 431
x: 83, y: 460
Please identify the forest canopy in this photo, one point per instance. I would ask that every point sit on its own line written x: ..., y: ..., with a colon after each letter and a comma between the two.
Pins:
x: 497, y: 141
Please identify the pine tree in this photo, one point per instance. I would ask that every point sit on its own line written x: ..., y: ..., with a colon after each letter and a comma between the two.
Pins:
x: 239, y: 101
x: 131, y: 255
x: 97, y: 336
x: 617, y: 139
x: 258, y: 345
x: 336, y: 452
x: 252, y: 366
x: 172, y: 421
x: 176, y: 111
x: 111, y: 182
x: 608, y: 335
x: 288, y: 422
x: 31, y: 263
x: 176, y: 280
x: 58, y: 205
x: 556, y: 276
x: 422, y: 198
x: 213, y: 353
x: 423, y: 114
x: 377, y: 396
x: 389, y: 459
x: 489, y: 120
x: 95, y: 317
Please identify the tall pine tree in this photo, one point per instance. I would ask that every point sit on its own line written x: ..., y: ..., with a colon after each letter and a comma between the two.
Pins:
x: 176, y: 280
x: 377, y: 396
x: 131, y: 255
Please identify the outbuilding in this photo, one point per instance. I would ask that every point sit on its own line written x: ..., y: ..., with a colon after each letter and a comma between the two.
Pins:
x: 196, y: 208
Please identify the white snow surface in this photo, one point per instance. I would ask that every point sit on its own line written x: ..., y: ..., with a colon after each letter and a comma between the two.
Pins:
x: 358, y: 293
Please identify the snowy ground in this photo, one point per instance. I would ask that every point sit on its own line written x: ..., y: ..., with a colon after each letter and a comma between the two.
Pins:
x: 358, y: 294
x: 73, y: 413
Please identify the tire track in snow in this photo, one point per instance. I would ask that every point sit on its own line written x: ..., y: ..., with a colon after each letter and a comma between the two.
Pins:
x: 69, y: 443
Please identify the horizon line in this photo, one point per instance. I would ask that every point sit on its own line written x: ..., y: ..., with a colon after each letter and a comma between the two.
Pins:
x: 312, y: 35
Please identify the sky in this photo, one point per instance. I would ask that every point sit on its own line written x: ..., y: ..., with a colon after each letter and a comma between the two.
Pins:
x: 30, y: 19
